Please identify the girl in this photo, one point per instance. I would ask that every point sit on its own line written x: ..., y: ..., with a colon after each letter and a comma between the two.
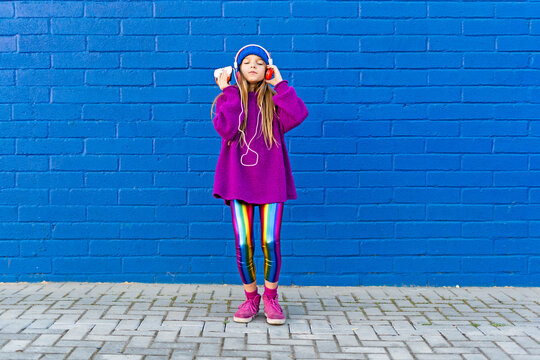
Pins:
x: 255, y: 171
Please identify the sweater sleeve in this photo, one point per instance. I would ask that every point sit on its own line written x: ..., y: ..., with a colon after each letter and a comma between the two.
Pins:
x: 228, y: 110
x: 291, y: 109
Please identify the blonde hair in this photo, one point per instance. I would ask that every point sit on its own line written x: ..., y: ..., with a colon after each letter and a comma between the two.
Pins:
x: 264, y: 96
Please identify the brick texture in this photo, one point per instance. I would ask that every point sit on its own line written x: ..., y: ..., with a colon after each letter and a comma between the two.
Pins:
x: 419, y: 163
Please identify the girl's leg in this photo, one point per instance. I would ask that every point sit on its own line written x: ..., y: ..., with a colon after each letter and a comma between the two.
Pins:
x: 271, y: 225
x: 242, y: 217
x: 271, y: 215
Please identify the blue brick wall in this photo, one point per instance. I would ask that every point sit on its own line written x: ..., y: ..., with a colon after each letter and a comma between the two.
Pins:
x: 418, y: 165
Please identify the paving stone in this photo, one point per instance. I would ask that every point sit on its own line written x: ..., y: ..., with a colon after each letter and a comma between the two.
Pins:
x: 234, y: 343
x: 325, y: 346
x: 400, y: 353
x: 347, y: 340
x: 186, y: 321
x: 209, y: 349
x: 419, y: 347
x: 474, y: 357
x: 511, y: 348
x: 301, y: 352
x: 82, y: 353
x: 15, y: 345
x: 377, y: 357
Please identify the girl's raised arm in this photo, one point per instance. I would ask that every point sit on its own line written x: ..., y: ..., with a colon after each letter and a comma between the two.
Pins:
x: 228, y: 110
x: 291, y: 109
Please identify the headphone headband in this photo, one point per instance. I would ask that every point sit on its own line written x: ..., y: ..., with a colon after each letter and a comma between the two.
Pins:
x: 239, y: 51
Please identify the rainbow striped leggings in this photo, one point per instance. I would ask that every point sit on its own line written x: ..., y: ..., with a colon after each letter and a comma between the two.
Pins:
x: 242, y: 216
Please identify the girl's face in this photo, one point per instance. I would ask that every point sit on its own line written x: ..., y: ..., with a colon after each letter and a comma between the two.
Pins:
x: 253, y: 68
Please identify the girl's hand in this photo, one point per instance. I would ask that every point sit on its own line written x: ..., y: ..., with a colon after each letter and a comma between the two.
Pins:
x: 222, y: 80
x: 277, y: 76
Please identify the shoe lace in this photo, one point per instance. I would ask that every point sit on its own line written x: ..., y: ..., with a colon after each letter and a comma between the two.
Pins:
x: 250, y: 304
x: 274, y: 303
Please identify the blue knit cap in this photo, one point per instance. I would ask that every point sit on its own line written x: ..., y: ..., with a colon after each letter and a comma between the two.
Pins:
x: 252, y: 50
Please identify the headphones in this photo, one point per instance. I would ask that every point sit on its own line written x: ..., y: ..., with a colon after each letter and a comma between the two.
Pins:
x: 269, y: 72
x: 268, y: 75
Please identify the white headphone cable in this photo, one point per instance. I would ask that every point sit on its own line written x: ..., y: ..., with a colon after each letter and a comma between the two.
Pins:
x: 239, y: 122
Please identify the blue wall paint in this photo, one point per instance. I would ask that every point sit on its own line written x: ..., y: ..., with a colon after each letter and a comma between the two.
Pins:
x: 419, y: 163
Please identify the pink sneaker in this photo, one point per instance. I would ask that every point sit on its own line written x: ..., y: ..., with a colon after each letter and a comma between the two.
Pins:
x: 272, y: 310
x: 248, y: 310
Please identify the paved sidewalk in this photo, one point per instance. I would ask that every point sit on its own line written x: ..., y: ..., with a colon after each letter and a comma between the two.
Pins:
x: 71, y: 320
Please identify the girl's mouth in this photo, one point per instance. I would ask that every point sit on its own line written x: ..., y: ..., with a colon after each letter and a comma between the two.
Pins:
x: 252, y: 72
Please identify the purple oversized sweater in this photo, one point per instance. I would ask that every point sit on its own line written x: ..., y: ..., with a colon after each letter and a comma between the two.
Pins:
x: 270, y: 180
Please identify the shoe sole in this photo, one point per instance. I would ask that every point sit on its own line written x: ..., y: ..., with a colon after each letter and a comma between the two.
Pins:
x: 274, y: 321
x: 243, y: 320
